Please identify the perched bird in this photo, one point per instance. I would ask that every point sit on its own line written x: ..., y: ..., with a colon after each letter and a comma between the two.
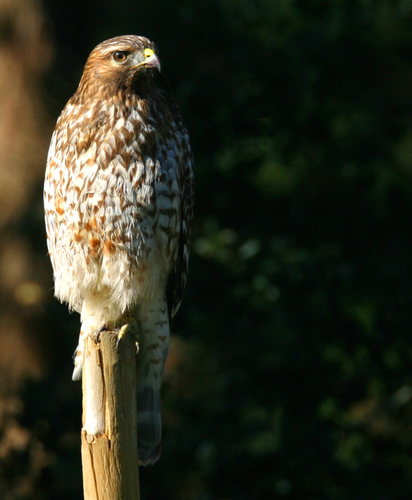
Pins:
x: 118, y: 199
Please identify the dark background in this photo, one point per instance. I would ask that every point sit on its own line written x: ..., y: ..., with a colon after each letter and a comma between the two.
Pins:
x: 290, y: 371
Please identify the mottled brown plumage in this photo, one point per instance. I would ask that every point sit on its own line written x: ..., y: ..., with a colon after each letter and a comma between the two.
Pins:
x: 118, y: 201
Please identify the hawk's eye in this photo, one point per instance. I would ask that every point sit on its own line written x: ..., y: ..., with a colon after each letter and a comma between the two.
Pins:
x: 120, y: 55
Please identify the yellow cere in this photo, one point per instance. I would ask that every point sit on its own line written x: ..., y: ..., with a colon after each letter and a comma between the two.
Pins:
x: 148, y: 53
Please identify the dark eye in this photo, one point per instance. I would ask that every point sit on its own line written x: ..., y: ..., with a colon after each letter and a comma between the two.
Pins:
x: 120, y: 55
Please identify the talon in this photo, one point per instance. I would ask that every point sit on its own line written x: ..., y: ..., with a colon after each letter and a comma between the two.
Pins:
x: 104, y: 328
x: 137, y: 347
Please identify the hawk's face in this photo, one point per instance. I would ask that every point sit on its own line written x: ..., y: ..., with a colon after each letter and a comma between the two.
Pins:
x: 121, y: 64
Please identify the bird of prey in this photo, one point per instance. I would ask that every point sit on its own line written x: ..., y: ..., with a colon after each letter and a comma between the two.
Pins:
x: 118, y: 199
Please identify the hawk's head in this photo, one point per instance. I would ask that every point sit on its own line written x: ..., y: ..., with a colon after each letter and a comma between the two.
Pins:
x: 121, y: 64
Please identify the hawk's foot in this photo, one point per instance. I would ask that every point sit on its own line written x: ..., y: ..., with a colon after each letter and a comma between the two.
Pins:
x: 120, y: 328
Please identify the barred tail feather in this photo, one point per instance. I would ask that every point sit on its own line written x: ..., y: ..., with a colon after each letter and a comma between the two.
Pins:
x: 153, y: 319
x: 149, y: 425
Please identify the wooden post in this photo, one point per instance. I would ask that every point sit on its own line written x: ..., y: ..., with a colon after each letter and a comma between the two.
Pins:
x: 109, y: 434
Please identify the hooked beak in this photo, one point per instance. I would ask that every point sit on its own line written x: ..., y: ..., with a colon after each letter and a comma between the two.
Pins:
x: 151, y: 62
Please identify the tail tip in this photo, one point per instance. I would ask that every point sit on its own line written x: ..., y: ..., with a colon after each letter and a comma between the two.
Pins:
x: 149, y: 455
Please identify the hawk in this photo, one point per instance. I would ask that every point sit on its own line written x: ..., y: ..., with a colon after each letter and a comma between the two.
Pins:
x: 118, y: 199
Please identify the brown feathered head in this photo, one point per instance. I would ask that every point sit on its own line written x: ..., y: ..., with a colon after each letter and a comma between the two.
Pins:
x: 123, y: 64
